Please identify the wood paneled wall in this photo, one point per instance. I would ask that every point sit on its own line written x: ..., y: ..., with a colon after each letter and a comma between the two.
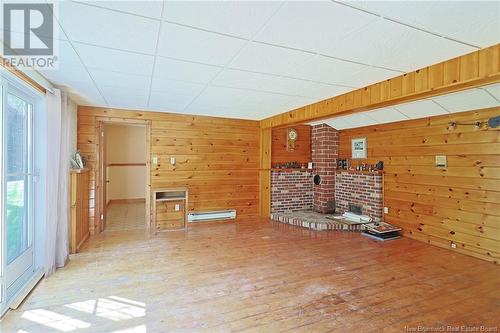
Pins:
x: 460, y: 203
x: 302, y: 152
x: 217, y: 158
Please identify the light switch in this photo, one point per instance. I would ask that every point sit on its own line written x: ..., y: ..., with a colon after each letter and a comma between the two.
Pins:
x: 441, y: 161
x: 172, y: 160
x: 177, y: 207
x: 155, y: 160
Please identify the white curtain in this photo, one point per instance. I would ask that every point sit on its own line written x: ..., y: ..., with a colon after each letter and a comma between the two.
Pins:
x: 58, y: 160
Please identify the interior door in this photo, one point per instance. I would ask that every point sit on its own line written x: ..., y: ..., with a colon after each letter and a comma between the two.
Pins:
x: 17, y: 187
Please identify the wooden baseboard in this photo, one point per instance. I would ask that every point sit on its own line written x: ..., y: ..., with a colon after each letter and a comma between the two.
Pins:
x: 121, y: 201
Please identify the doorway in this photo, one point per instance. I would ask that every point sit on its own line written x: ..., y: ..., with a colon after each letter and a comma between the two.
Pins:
x: 124, y: 175
x: 22, y: 217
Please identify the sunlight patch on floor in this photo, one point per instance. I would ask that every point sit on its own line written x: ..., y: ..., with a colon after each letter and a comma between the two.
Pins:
x: 113, y: 308
x: 136, y: 329
x: 55, y: 320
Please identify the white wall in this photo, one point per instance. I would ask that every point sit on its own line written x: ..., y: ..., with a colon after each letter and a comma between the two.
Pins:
x: 125, y: 144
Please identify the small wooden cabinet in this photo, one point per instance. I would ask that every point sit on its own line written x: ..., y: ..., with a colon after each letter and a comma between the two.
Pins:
x: 170, y: 206
x: 79, y: 229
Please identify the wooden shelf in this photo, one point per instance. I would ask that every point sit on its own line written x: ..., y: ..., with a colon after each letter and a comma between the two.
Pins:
x: 363, y: 172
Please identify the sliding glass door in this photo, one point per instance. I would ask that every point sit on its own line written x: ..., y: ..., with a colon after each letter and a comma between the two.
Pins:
x: 17, y: 187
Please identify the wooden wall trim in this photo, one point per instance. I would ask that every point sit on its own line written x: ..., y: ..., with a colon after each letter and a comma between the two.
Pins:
x: 265, y: 172
x: 471, y: 70
x: 21, y: 75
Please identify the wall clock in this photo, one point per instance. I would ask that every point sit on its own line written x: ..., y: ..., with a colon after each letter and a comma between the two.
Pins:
x: 291, y: 137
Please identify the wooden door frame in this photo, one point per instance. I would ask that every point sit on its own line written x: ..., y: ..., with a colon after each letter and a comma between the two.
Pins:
x: 100, y: 205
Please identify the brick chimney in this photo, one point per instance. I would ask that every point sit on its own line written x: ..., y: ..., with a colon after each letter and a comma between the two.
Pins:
x: 325, y: 152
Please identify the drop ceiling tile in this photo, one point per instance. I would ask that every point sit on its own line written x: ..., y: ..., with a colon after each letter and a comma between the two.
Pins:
x: 237, y: 18
x: 118, y: 61
x: 125, y: 98
x: 359, y: 120
x: 310, y: 25
x: 84, y: 94
x: 66, y: 55
x: 170, y: 69
x: 67, y: 74
x: 246, y: 104
x: 321, y: 90
x: 339, y: 123
x: 370, y: 75
x: 120, y: 80
x: 85, y: 100
x: 386, y: 115
x: 108, y: 28
x: 420, y: 109
x: 177, y: 87
x: 333, y: 71
x: 269, y: 59
x: 151, y: 9
x: 493, y: 89
x: 165, y: 102
x: 394, y: 46
x: 232, y: 78
x: 196, y: 45
x: 466, y: 100
x: 277, y: 84
x: 446, y: 17
x: 173, y: 96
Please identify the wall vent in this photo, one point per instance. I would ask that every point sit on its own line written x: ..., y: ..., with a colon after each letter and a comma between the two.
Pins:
x: 218, y: 215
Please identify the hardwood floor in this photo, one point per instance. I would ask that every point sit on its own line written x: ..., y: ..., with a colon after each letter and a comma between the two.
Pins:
x: 259, y: 276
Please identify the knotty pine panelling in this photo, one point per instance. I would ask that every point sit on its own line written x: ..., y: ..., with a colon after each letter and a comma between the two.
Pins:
x: 217, y: 158
x: 460, y: 203
x: 302, y: 152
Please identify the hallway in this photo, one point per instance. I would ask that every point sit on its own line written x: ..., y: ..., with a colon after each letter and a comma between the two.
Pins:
x: 123, y: 216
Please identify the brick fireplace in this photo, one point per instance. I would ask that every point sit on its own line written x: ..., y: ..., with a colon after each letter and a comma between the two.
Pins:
x: 291, y: 190
x: 325, y: 151
x: 360, y: 188
x: 294, y: 190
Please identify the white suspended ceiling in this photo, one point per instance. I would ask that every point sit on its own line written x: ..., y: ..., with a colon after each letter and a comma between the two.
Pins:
x: 471, y: 99
x: 254, y: 59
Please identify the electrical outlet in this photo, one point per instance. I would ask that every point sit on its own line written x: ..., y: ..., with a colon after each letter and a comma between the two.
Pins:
x: 386, y: 210
x: 453, y: 245
x: 177, y: 207
x: 172, y: 160
x: 441, y: 161
x: 155, y: 160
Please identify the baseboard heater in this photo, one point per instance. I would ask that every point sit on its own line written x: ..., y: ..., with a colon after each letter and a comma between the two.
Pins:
x: 218, y: 215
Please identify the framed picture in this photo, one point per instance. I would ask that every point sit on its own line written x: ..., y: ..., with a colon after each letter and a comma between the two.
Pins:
x: 358, y: 148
